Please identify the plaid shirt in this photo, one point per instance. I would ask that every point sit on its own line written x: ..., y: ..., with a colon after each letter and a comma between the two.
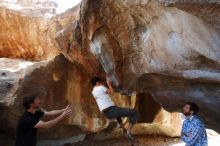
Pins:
x: 193, y: 132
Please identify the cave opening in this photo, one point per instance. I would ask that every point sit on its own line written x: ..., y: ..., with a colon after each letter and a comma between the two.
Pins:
x: 147, y: 108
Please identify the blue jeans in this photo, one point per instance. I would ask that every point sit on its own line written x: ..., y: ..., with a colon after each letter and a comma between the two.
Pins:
x: 118, y: 112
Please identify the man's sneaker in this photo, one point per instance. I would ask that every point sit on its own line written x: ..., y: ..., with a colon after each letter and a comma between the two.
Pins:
x: 130, y: 137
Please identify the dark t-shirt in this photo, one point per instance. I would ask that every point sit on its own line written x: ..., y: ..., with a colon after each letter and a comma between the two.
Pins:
x: 26, y: 134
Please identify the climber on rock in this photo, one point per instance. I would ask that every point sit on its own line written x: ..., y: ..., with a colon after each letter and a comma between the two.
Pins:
x: 29, y: 122
x: 110, y: 110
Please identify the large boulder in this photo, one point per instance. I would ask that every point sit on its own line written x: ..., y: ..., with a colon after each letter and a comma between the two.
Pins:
x: 23, y: 36
x: 164, y: 48
x: 60, y: 82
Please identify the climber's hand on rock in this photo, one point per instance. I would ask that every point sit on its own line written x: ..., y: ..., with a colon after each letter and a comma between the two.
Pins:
x: 108, y: 80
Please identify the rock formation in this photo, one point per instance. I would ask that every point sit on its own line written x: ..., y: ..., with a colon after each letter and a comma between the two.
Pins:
x: 165, y: 51
x: 152, y: 47
x: 24, y: 36
x: 59, y: 83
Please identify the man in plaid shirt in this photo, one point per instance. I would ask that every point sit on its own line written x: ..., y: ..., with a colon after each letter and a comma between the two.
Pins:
x: 193, y: 130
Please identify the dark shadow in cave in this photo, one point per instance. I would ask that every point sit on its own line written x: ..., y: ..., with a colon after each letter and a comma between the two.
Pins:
x: 147, y: 108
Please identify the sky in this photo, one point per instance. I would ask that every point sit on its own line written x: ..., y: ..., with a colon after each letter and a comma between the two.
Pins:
x: 63, y: 5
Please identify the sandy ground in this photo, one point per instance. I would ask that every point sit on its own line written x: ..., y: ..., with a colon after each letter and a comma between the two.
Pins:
x: 144, y: 140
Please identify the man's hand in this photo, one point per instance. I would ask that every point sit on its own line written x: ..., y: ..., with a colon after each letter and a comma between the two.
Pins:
x: 51, y: 123
x: 108, y: 80
x: 56, y: 112
x: 66, y: 112
x: 68, y: 106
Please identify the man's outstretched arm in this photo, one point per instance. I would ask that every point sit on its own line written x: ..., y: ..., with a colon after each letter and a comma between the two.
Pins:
x: 55, y: 112
x: 51, y: 123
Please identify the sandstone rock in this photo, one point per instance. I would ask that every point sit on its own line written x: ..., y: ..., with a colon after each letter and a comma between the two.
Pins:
x: 25, y: 37
x: 145, y: 47
x: 206, y: 9
x: 59, y: 83
x: 145, y: 40
x: 64, y: 83
x: 29, y: 36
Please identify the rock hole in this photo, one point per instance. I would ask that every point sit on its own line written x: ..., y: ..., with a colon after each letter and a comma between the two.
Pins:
x: 147, y: 108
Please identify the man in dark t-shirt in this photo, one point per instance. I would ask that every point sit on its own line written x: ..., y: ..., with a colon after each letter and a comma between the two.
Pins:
x: 29, y: 122
x: 26, y: 133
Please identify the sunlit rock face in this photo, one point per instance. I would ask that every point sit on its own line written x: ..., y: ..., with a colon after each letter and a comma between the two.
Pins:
x: 27, y: 28
x: 156, y: 47
x: 25, y: 37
